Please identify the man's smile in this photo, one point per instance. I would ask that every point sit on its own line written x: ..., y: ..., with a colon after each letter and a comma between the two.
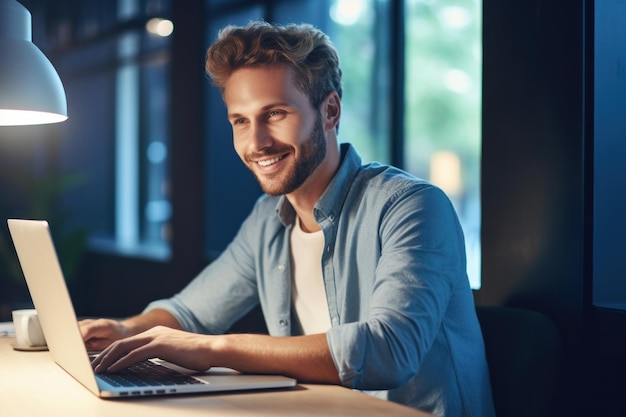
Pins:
x: 271, y: 161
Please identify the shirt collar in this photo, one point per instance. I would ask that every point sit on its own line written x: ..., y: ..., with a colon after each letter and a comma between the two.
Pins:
x: 331, y: 201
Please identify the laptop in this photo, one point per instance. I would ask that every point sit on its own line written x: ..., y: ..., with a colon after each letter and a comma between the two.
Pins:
x: 44, y: 277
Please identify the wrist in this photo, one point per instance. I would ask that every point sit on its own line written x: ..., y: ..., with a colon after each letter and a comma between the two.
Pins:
x: 218, y: 347
x: 128, y: 327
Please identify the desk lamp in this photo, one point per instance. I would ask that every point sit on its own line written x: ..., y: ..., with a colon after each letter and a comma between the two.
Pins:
x: 31, y: 91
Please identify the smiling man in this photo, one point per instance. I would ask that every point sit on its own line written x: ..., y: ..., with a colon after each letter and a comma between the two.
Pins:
x: 281, y: 137
x: 359, y: 269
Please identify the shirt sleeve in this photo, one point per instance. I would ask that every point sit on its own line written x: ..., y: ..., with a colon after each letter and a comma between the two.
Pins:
x: 422, y: 260
x: 224, y: 292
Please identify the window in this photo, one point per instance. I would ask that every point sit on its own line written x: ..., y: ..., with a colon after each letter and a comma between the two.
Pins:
x: 441, y: 90
x: 609, y: 287
x: 443, y: 107
x: 116, y: 75
x: 361, y: 31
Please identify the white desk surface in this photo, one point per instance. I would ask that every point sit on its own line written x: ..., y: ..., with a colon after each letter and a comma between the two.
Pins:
x: 31, y: 384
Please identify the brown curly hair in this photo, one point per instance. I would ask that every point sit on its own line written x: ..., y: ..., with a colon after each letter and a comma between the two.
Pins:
x: 305, y: 49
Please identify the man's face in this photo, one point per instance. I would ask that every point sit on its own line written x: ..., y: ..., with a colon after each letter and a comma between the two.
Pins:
x: 276, y: 131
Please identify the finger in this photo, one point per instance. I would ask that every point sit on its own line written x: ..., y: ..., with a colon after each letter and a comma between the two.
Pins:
x: 121, y: 354
x: 109, y: 355
x: 140, y: 354
x: 85, y: 327
x: 93, y: 329
x: 98, y: 334
x: 94, y: 346
x: 97, y: 359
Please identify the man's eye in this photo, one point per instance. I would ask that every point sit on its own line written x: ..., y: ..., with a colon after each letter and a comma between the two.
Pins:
x: 275, y: 114
x: 239, y: 121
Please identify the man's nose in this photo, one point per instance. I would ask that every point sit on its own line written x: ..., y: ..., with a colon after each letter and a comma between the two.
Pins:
x: 260, y: 136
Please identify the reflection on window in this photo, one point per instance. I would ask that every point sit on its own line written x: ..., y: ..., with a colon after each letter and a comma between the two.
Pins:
x: 442, y: 96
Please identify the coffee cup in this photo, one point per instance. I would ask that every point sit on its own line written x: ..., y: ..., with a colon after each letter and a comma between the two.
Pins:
x: 28, y: 332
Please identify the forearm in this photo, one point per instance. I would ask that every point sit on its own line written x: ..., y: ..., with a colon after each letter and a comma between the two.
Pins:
x: 306, y: 358
x: 150, y: 319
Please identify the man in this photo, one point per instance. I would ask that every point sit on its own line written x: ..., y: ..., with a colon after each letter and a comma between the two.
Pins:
x: 359, y: 269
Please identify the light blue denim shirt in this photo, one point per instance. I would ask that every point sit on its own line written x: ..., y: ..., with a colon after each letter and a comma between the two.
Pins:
x: 404, y: 327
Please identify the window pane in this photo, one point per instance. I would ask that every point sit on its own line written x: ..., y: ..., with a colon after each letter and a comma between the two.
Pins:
x: 360, y: 32
x: 443, y: 107
x: 609, y: 200
x: 156, y: 210
x: 117, y: 85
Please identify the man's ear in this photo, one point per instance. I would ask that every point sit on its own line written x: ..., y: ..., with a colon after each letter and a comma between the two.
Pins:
x: 331, y: 111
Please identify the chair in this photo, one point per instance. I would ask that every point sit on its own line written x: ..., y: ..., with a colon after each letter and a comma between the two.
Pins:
x: 523, y: 353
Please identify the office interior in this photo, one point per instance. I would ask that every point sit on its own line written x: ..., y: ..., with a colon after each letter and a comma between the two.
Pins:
x: 551, y: 173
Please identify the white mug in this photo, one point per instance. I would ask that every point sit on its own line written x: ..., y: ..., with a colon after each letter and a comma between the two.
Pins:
x: 28, y: 331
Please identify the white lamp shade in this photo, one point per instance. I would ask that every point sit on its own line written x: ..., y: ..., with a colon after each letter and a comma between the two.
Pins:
x: 31, y: 91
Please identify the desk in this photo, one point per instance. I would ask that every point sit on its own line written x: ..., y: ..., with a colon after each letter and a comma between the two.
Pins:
x: 31, y: 385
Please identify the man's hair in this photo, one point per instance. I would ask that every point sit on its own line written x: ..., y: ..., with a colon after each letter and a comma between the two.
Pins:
x: 303, y: 48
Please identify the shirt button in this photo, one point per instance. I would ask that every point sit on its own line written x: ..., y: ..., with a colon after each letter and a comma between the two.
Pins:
x: 282, y: 323
x: 281, y: 267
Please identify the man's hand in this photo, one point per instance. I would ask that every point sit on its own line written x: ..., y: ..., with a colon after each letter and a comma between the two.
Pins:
x: 306, y: 358
x: 100, y: 333
x: 186, y: 349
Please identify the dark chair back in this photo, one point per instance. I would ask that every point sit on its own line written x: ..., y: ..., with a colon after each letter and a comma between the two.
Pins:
x: 523, y: 352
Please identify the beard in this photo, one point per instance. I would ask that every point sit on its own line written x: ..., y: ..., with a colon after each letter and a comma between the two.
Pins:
x: 311, y: 154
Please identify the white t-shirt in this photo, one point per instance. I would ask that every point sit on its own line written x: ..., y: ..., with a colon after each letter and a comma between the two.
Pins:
x: 307, y: 287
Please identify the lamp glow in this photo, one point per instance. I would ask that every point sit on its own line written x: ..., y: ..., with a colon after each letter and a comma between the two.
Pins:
x: 31, y: 91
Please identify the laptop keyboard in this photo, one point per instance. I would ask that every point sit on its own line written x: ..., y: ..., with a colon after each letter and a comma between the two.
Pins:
x: 147, y: 373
